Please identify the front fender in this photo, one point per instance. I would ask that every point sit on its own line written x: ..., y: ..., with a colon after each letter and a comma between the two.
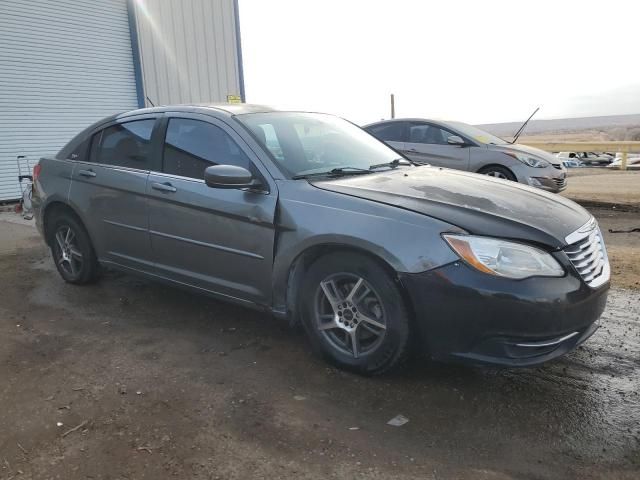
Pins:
x: 406, y: 241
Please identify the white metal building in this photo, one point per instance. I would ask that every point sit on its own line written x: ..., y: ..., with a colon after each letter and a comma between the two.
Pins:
x: 67, y: 63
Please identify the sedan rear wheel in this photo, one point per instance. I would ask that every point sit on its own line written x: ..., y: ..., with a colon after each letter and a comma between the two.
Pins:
x: 68, y: 255
x: 72, y: 251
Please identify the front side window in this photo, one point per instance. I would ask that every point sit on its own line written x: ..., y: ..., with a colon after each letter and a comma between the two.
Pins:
x: 192, y: 145
x: 312, y: 143
x: 428, y: 134
x: 124, y: 145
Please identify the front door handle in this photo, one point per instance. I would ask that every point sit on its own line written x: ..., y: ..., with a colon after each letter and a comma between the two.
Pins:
x: 164, y: 187
x: 87, y: 173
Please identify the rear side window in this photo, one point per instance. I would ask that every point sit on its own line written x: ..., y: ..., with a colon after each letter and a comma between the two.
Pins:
x: 124, y: 145
x: 391, y: 132
x: 74, y: 150
x: 192, y: 145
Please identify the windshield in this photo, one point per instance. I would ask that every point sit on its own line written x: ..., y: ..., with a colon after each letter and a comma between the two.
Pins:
x: 312, y: 143
x: 477, y: 134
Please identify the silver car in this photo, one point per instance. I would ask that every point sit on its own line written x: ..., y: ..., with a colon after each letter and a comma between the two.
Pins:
x: 464, y: 147
x: 310, y: 218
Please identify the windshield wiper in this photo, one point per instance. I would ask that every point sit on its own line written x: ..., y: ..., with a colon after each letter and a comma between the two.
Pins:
x: 391, y: 164
x: 335, y: 171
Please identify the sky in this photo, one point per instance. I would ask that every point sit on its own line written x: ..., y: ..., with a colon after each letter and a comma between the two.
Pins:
x: 478, y: 61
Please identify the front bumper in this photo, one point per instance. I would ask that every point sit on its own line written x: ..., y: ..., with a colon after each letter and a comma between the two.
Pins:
x: 550, y: 178
x: 550, y: 184
x: 467, y: 316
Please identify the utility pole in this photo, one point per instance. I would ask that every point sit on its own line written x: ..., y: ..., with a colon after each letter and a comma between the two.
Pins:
x: 393, y: 106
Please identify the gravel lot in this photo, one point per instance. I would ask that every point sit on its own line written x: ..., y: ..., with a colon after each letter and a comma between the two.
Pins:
x: 601, y: 185
x: 129, y: 379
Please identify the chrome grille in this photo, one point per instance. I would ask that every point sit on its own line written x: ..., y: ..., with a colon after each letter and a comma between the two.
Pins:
x: 588, y: 254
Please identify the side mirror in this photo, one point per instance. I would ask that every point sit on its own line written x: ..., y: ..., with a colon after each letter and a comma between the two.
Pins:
x: 456, y: 140
x: 229, y: 176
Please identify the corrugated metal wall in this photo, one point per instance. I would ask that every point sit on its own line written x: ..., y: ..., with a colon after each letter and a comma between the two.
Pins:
x: 189, y: 50
x: 63, y: 65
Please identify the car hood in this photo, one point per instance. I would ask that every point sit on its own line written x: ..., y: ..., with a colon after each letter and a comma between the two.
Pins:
x: 528, y: 150
x: 479, y: 204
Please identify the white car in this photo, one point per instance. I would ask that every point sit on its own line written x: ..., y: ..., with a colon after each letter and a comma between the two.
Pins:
x: 633, y: 162
x: 587, y: 158
x: 572, y: 163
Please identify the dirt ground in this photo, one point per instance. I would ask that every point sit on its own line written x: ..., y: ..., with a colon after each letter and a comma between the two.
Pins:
x: 128, y: 379
x: 601, y: 185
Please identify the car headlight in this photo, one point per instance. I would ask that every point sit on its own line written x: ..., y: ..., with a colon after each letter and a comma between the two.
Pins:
x: 504, y: 258
x: 529, y: 160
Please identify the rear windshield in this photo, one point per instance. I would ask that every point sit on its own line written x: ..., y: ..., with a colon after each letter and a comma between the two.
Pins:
x: 477, y: 134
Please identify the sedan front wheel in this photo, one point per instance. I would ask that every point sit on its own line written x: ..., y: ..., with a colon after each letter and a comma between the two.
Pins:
x: 498, y: 172
x: 354, y: 314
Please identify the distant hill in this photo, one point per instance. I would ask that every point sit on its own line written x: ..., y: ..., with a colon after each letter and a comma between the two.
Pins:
x: 563, y: 125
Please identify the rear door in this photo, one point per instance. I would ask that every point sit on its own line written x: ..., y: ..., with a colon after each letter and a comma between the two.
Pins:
x: 393, y: 134
x: 109, y: 191
x: 220, y: 240
x: 427, y: 143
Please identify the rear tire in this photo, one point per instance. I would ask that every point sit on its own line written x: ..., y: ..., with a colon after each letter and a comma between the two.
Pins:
x: 354, y: 314
x: 73, y: 254
x: 498, y: 172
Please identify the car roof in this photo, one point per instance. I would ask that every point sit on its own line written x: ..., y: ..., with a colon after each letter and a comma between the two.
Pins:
x: 394, y: 120
x: 224, y: 108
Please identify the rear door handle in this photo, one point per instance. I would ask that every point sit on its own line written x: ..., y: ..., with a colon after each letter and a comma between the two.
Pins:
x: 87, y: 173
x: 164, y: 187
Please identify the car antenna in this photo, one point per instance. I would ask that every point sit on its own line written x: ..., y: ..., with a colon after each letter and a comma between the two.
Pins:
x: 521, y: 129
x: 149, y: 100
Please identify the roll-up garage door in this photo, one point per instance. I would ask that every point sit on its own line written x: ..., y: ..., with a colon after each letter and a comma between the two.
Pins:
x: 63, y: 65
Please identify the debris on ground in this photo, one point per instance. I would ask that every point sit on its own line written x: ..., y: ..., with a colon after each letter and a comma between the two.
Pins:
x: 77, y: 427
x: 398, y: 421
x: 630, y: 230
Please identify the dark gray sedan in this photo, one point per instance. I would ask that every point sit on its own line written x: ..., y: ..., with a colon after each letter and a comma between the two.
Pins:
x: 311, y: 218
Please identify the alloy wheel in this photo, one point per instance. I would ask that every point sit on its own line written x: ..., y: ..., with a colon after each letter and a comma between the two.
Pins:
x: 349, y: 314
x: 496, y: 174
x: 68, y: 255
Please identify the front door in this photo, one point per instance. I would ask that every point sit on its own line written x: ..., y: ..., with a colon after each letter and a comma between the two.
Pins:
x: 428, y: 144
x: 219, y: 240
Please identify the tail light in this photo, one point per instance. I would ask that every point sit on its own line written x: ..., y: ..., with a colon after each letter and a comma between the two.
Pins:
x: 36, y: 172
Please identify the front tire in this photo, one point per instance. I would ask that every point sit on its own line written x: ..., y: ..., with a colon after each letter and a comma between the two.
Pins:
x: 354, y: 314
x: 498, y: 172
x: 72, y: 251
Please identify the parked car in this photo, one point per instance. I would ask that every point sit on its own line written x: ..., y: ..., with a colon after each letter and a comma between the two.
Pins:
x: 572, y: 163
x: 587, y: 158
x: 460, y: 146
x: 633, y: 163
x: 309, y: 217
